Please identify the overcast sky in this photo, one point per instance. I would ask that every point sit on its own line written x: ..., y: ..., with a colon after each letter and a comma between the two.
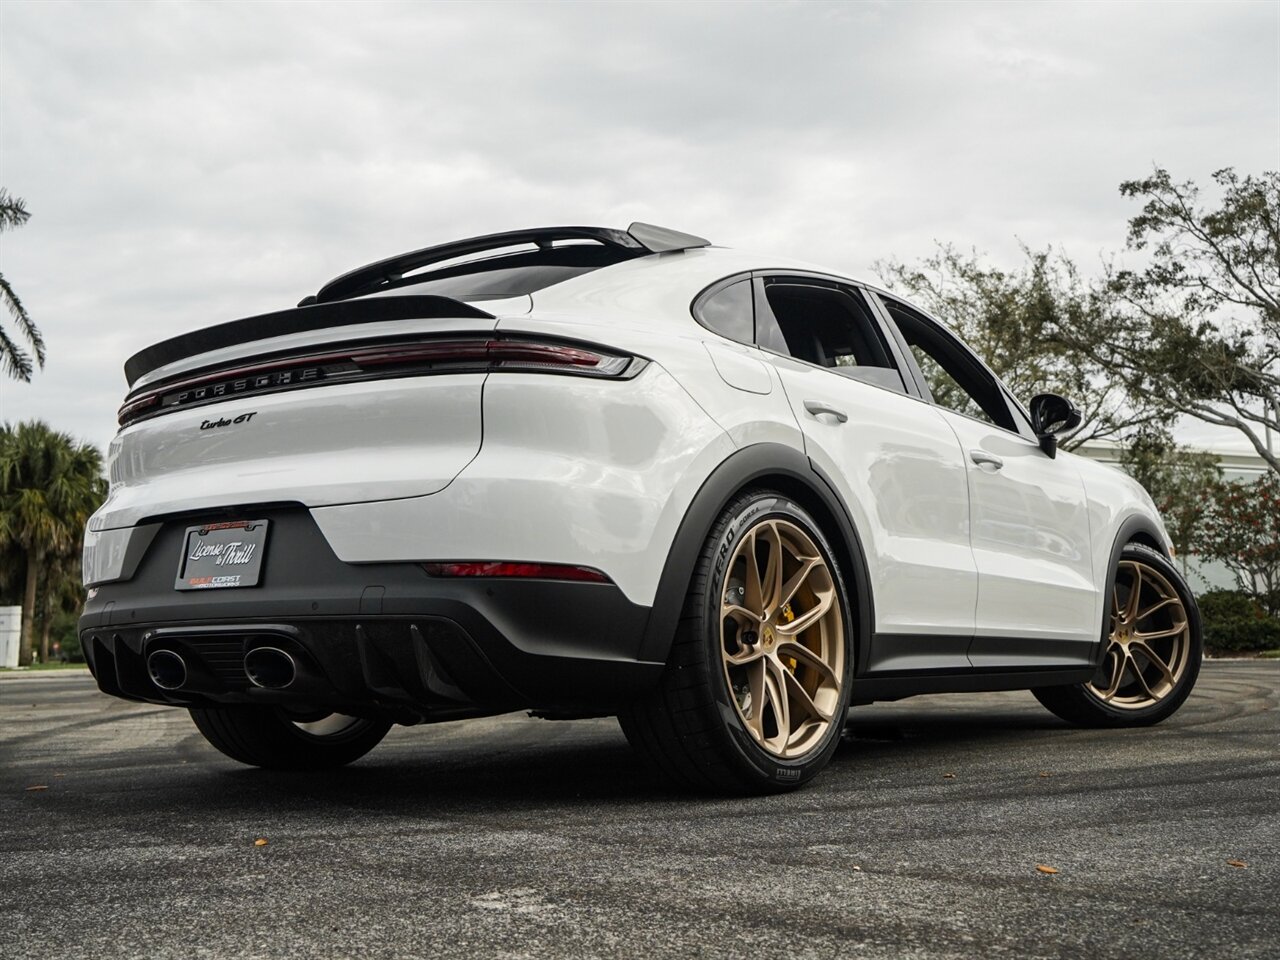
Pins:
x: 191, y: 163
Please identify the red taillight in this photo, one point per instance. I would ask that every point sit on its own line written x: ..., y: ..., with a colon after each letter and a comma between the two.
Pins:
x: 501, y: 568
x: 405, y: 358
x: 137, y: 407
x: 498, y: 354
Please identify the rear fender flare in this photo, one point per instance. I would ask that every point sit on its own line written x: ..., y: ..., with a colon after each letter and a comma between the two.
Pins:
x: 767, y: 466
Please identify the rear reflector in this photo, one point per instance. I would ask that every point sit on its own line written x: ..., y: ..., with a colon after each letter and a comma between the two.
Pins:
x: 498, y: 568
x: 404, y: 358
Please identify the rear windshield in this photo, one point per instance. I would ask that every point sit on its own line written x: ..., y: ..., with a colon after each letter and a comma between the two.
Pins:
x: 516, y: 275
x: 497, y: 284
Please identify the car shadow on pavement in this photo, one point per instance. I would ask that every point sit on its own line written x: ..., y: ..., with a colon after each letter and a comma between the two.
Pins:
x: 496, y: 774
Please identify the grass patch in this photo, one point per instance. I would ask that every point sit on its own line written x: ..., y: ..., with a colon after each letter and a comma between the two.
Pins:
x: 1270, y: 654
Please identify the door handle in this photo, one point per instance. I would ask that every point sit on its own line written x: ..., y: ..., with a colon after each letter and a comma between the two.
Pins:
x: 984, y: 459
x: 817, y: 408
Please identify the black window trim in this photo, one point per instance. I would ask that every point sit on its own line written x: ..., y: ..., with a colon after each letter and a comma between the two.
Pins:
x: 758, y: 277
x: 1017, y: 412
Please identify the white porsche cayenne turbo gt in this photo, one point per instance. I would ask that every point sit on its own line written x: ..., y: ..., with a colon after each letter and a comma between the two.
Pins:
x: 592, y: 471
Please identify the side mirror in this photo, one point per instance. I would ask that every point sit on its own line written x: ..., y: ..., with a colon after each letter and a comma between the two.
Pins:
x: 1050, y: 416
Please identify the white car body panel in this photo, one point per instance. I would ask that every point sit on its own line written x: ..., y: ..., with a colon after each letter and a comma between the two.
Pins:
x: 316, y: 452
x: 1114, y: 499
x: 900, y: 471
x: 747, y: 416
x: 1030, y: 532
x: 539, y: 491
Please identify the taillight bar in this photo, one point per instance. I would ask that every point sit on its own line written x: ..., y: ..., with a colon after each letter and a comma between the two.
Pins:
x: 511, y: 569
x: 402, y: 358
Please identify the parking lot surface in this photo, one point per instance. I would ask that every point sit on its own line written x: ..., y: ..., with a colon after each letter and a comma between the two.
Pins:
x: 123, y: 834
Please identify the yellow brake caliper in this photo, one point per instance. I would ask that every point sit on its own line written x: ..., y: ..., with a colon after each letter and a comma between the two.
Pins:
x: 788, y: 615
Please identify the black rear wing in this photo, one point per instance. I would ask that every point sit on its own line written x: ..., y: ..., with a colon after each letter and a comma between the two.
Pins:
x: 296, y: 320
x: 638, y: 240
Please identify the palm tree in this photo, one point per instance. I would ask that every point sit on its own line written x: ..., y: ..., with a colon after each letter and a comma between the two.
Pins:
x: 17, y: 362
x: 49, y: 485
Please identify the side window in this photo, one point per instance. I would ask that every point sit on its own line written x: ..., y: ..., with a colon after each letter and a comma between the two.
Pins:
x: 826, y: 325
x: 729, y: 312
x: 956, y: 380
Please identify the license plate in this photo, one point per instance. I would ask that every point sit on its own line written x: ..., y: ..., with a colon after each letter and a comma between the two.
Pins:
x: 217, y: 556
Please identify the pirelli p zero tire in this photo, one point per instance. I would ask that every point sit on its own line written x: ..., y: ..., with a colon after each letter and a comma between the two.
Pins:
x: 1152, y: 651
x: 271, y: 738
x: 757, y: 685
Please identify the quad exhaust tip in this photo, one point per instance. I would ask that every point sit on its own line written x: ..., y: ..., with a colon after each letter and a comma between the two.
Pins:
x: 270, y: 668
x: 168, y: 670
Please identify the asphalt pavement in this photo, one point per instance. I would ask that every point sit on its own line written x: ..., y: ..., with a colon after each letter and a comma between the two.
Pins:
x: 123, y: 834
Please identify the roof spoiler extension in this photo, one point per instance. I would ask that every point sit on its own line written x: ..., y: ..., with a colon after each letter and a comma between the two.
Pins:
x: 641, y: 238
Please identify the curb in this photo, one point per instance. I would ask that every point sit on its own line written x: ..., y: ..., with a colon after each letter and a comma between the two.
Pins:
x: 6, y: 675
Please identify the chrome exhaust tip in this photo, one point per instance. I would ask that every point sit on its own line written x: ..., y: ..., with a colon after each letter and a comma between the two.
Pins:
x: 168, y: 670
x: 270, y: 668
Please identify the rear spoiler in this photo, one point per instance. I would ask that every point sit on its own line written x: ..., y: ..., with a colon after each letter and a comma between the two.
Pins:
x: 637, y: 240
x: 296, y: 320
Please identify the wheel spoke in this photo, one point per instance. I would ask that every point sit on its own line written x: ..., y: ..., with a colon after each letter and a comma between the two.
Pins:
x: 1150, y: 654
x: 771, y: 580
x: 1135, y: 593
x: 1143, y: 680
x: 801, y: 696
x: 1117, y: 672
x: 797, y: 580
x: 753, y: 598
x: 1173, y: 631
x: 775, y: 689
x: 1142, y: 615
x: 810, y: 659
x: 809, y: 617
x: 747, y: 655
x: 756, y: 687
x: 742, y: 614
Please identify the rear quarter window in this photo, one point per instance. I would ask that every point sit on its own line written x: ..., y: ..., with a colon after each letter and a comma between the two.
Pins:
x: 729, y: 312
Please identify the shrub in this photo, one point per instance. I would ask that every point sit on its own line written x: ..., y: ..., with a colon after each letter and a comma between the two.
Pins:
x: 1235, y: 623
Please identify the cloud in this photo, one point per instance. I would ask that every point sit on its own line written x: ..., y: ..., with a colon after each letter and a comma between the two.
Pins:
x: 191, y: 163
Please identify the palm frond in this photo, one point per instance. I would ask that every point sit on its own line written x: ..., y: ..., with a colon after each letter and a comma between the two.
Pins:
x: 16, y: 361
x: 13, y: 211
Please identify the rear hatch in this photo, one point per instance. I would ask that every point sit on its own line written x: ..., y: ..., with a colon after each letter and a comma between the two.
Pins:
x: 327, y: 404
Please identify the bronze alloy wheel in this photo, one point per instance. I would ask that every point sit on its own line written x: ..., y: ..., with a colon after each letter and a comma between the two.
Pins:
x: 782, y: 638
x: 1149, y: 644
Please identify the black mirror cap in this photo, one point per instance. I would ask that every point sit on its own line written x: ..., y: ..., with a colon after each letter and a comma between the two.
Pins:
x: 1050, y: 416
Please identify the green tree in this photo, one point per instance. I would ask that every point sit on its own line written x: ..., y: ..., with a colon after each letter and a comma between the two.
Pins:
x: 1011, y: 318
x: 60, y: 592
x: 49, y: 485
x: 17, y: 362
x: 1241, y: 528
x: 1179, y: 481
x: 1197, y: 330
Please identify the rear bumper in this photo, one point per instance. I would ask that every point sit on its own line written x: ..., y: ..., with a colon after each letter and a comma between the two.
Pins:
x: 370, y: 639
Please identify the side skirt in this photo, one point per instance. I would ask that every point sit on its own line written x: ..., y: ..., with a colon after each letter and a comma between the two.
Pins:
x: 905, y: 665
x: 896, y: 686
